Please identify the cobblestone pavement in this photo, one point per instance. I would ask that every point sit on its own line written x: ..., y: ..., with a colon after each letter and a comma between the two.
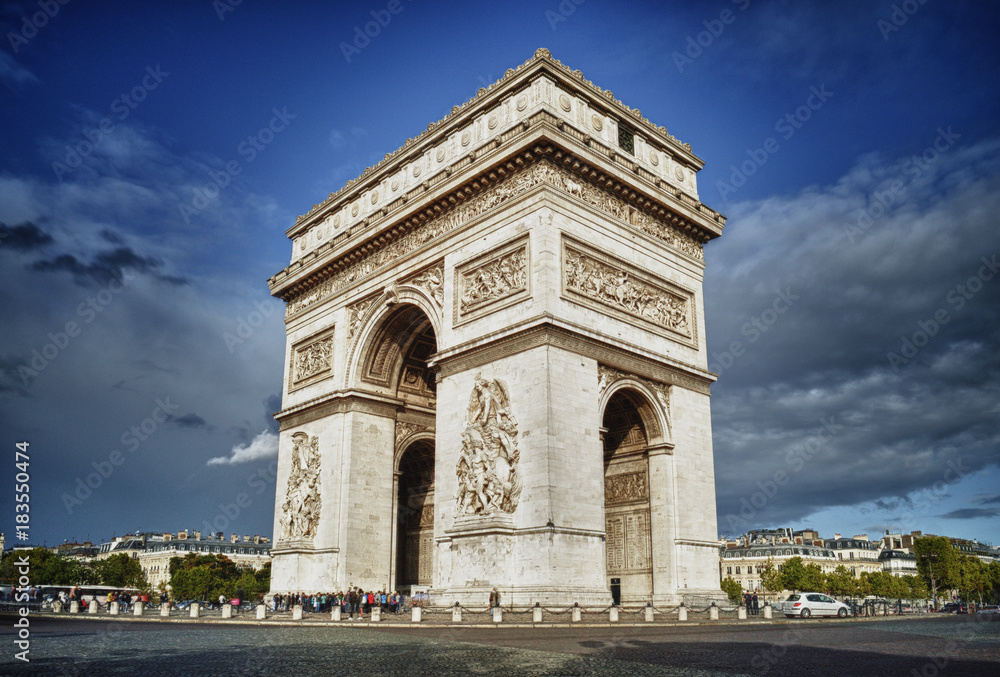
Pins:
x: 931, y: 645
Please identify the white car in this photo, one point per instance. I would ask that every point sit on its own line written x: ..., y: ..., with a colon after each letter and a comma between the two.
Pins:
x: 806, y: 604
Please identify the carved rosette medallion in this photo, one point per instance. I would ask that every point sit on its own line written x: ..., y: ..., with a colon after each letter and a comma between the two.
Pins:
x: 617, y: 286
x: 312, y: 360
x: 300, y: 510
x: 432, y: 282
x: 485, y: 282
x: 489, y: 476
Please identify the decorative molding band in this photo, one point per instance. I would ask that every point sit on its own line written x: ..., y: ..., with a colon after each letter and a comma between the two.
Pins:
x: 491, y: 281
x: 338, y: 403
x: 549, y: 334
x: 311, y: 360
x: 608, y: 284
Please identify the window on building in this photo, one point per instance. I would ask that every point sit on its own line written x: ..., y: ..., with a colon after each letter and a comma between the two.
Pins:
x: 626, y: 139
x: 729, y: 571
x: 737, y: 571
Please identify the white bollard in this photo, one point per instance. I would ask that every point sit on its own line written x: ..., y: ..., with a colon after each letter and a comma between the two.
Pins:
x: 456, y: 614
x: 261, y: 612
x: 92, y: 607
x: 376, y: 614
x: 682, y: 613
x: 195, y: 610
x: 576, y: 614
x: 57, y: 607
x: 741, y: 613
x: 74, y: 607
x: 713, y: 613
x: 649, y: 614
x: 498, y: 615
x: 138, y: 608
x: 227, y: 610
x: 114, y: 608
x: 767, y: 611
x: 613, y: 614
x: 536, y: 615
x: 335, y: 612
x: 418, y: 614
x: 165, y: 609
x: 297, y: 612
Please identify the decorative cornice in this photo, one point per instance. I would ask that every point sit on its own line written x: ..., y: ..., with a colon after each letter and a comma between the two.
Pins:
x: 541, y: 56
x: 337, y: 403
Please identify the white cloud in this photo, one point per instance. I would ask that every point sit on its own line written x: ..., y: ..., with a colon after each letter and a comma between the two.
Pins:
x: 265, y: 445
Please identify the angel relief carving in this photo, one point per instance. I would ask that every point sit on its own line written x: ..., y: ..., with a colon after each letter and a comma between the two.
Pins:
x: 301, y: 508
x: 489, y: 476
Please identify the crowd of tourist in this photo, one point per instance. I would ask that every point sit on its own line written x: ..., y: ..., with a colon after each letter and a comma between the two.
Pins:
x: 354, y: 602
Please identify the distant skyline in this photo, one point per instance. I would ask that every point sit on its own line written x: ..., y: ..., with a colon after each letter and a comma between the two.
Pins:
x: 154, y: 154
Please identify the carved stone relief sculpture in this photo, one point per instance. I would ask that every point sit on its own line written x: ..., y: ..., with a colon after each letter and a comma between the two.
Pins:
x: 503, y: 276
x: 431, y: 281
x: 313, y: 359
x: 301, y: 509
x: 489, y: 477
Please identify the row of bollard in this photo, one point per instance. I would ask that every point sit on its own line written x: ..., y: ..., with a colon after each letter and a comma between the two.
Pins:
x: 416, y: 613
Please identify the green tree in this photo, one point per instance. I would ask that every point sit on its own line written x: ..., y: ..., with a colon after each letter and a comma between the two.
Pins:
x: 841, y: 581
x: 793, y: 574
x: 937, y: 562
x: 770, y: 578
x: 206, y: 577
x: 120, y: 571
x: 814, y: 578
x: 916, y: 588
x: 733, y: 589
x: 972, y: 578
x: 44, y: 568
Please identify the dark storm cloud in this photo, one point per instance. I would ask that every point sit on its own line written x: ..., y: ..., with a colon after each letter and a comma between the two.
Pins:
x: 971, y: 513
x: 856, y: 369
x: 272, y: 405
x: 188, y: 421
x: 107, y: 266
x: 24, y: 237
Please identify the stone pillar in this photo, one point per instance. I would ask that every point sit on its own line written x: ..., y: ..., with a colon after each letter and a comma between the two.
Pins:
x: 741, y: 613
x: 227, y: 610
x: 165, y: 609
x: 613, y: 614
x: 262, y: 612
x: 576, y: 613
x: 335, y: 612
x: 713, y: 612
x: 138, y: 608
x: 536, y: 614
x: 418, y: 613
x: 57, y: 607
x: 456, y: 614
x: 498, y: 615
x: 649, y: 613
x: 195, y: 610
x: 376, y: 614
x: 74, y: 607
x: 114, y: 608
x: 682, y: 613
x: 92, y: 607
x: 767, y: 611
x: 297, y: 612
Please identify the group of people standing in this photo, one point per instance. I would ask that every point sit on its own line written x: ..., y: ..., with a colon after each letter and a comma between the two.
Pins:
x: 353, y: 602
x: 751, y: 602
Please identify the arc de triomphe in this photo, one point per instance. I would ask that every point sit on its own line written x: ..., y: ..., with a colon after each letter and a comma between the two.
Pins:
x: 496, y: 371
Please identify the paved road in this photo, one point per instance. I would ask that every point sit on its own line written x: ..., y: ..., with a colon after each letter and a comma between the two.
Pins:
x: 942, y: 645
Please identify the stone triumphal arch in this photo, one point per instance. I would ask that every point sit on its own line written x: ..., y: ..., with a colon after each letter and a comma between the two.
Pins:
x: 496, y: 369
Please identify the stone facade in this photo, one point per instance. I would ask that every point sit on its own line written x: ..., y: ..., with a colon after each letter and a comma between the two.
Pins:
x: 465, y: 321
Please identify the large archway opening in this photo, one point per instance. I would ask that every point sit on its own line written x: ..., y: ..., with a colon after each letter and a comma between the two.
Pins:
x: 415, y: 529
x: 626, y: 499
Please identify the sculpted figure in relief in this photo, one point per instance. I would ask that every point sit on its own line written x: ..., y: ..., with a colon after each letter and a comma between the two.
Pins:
x: 301, y: 508
x: 489, y: 479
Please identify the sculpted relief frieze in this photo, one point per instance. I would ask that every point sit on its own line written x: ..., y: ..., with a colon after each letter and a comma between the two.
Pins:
x: 312, y: 360
x: 484, y: 283
x: 542, y: 172
x: 489, y: 476
x: 405, y: 429
x: 301, y: 508
x: 616, y: 286
x: 432, y: 282
x: 625, y: 488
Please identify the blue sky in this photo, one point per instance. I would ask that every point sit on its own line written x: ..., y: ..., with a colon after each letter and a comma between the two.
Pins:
x: 853, y: 146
